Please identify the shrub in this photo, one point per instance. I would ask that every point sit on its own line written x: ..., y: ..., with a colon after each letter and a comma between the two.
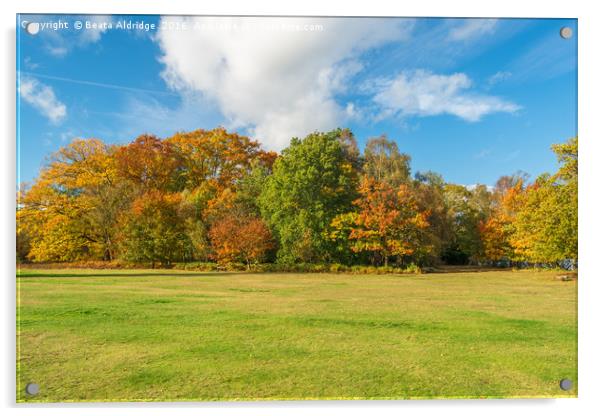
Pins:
x: 412, y: 268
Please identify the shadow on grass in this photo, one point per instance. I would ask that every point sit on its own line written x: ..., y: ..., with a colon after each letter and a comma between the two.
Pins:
x: 175, y: 273
x: 465, y: 269
x: 124, y: 274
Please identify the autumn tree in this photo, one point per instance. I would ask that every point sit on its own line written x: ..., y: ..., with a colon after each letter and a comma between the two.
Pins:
x: 387, y: 223
x: 195, y: 203
x: 545, y: 227
x: 23, y: 240
x: 240, y: 238
x: 535, y: 222
x: 150, y: 163
x: 71, y: 210
x: 497, y: 230
x: 152, y: 230
x: 55, y: 234
x: 215, y: 195
x: 217, y: 156
x: 567, y: 155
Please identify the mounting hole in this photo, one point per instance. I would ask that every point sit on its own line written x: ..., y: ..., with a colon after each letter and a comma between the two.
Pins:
x: 566, y: 32
x: 32, y: 389
x: 32, y: 28
x: 566, y: 384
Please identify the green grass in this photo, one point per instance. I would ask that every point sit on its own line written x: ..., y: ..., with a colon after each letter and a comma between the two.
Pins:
x: 107, y: 335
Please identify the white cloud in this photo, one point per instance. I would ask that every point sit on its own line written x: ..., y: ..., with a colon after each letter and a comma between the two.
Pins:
x: 422, y: 93
x: 498, y: 77
x: 278, y: 77
x: 42, y: 98
x: 472, y: 28
x: 474, y: 186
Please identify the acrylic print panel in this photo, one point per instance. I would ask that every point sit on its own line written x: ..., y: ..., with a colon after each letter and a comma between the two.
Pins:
x: 287, y: 208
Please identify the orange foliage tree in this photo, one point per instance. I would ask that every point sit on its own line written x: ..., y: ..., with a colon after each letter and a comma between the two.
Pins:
x: 70, y: 211
x: 216, y: 156
x: 149, y: 163
x: 388, y: 221
x: 240, y: 238
x: 153, y: 230
x: 498, y: 229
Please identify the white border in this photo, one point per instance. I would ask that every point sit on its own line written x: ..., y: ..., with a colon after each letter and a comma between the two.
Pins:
x: 590, y: 285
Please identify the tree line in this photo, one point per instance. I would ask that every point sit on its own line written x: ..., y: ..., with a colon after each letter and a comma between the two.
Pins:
x: 213, y: 195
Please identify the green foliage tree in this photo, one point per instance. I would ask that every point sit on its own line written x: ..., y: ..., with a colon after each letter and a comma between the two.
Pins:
x: 465, y: 213
x: 312, y: 182
x: 249, y: 188
x: 429, y: 190
x: 545, y: 228
x: 384, y: 163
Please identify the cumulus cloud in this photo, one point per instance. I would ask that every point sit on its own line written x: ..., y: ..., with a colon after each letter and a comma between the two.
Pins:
x: 423, y: 93
x: 472, y: 28
x: 42, y: 98
x: 276, y: 77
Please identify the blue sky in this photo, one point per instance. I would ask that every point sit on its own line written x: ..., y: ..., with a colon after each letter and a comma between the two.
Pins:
x: 472, y: 99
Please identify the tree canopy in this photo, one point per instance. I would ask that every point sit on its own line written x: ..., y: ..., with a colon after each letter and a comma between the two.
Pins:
x: 213, y: 195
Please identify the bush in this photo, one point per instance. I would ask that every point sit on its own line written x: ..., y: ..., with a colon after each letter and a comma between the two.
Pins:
x: 233, y: 267
x: 84, y: 264
x: 197, y: 266
x: 412, y: 268
x: 338, y: 268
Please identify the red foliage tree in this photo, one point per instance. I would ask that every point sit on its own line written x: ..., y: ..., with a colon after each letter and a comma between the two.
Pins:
x: 240, y: 238
x: 150, y: 163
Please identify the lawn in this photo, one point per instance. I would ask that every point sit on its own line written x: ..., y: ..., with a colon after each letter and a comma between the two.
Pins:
x: 108, y: 335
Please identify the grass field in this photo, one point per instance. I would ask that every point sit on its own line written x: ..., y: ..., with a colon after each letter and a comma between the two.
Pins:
x: 86, y: 335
